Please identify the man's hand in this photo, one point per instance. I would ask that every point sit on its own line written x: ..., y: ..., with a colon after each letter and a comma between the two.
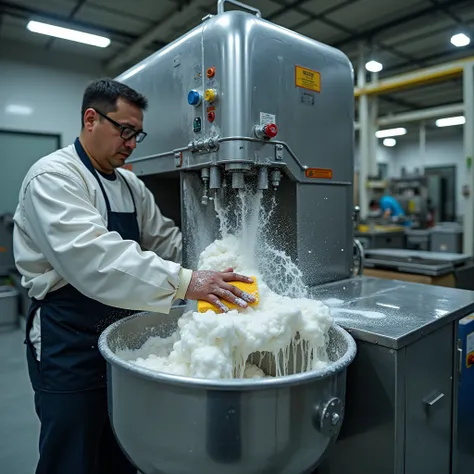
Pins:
x: 209, y: 286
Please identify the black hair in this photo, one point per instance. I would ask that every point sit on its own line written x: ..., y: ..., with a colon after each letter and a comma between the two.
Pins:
x: 104, y: 93
x: 373, y: 203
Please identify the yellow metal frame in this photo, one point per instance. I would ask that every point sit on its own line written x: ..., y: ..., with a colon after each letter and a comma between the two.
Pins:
x: 423, y: 76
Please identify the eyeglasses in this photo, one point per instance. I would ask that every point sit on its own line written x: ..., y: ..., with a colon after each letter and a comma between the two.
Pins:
x: 127, y: 133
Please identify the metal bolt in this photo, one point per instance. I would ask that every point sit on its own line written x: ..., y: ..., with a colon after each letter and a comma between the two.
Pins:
x: 335, y: 419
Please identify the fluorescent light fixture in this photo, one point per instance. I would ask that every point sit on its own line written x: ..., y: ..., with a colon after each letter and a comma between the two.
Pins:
x: 391, y: 132
x: 460, y: 40
x: 132, y: 72
x: 450, y: 121
x: 17, y: 109
x: 389, y: 142
x: 373, y: 66
x: 68, y: 34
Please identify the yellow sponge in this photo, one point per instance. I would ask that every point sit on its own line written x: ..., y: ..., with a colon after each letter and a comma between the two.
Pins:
x: 250, y: 288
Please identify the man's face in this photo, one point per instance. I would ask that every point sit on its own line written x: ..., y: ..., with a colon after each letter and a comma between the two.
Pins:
x: 110, y: 150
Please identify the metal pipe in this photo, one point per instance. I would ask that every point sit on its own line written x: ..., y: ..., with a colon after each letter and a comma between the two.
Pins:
x: 372, y: 128
x: 442, y: 72
x: 418, y: 115
x: 263, y: 178
x: 364, y: 138
x: 215, y: 180
x: 422, y: 147
x: 205, y: 178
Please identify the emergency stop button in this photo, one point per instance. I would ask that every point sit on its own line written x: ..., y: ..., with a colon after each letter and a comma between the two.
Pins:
x: 269, y: 130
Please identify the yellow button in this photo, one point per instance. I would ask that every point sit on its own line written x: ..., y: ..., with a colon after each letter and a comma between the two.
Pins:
x: 210, y: 95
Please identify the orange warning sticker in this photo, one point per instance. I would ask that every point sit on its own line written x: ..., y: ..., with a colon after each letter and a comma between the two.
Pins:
x: 318, y: 173
x: 128, y: 167
x: 3, y: 249
x: 307, y: 79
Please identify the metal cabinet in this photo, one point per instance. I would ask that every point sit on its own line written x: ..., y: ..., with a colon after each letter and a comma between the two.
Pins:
x: 401, y: 414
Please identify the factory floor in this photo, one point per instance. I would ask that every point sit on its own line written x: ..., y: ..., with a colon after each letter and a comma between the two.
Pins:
x: 19, y: 425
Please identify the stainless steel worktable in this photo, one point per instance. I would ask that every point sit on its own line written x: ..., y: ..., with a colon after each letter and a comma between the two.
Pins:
x: 402, y: 388
x: 392, y: 313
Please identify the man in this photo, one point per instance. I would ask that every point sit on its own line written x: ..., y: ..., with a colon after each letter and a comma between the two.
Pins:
x: 389, y: 207
x: 92, y: 246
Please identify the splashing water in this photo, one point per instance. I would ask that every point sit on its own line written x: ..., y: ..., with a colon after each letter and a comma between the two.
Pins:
x: 286, y: 333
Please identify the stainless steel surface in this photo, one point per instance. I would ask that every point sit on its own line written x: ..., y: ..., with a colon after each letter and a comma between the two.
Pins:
x: 387, y: 428
x: 429, y: 369
x: 310, y: 161
x: 447, y: 237
x: 415, y: 261
x: 177, y: 425
x: 392, y: 313
x: 453, y: 258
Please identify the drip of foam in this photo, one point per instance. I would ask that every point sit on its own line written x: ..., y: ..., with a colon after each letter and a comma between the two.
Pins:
x: 286, y: 332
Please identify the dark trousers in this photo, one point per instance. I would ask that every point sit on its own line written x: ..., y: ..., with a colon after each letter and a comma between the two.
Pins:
x: 76, y: 436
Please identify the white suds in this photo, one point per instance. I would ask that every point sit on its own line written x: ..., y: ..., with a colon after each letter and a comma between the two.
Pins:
x: 286, y: 330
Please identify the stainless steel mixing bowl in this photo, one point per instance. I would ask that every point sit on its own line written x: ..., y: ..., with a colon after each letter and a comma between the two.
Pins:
x: 169, y: 424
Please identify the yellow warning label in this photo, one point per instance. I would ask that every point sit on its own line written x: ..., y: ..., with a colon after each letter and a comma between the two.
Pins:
x: 307, y: 79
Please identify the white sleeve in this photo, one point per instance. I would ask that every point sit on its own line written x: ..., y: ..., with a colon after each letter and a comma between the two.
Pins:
x: 159, y: 233
x: 73, y: 237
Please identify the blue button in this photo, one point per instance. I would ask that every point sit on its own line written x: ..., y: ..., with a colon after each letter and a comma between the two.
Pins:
x: 194, y: 98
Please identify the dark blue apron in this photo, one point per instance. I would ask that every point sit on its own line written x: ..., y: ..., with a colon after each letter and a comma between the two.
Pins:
x: 71, y: 363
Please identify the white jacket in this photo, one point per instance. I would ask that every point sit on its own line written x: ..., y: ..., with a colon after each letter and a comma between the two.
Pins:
x: 61, y: 236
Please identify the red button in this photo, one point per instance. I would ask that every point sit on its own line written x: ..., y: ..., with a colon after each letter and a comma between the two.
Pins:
x: 270, y: 130
x: 211, y: 116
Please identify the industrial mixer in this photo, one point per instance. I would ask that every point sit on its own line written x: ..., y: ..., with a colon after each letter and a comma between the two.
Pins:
x: 240, y: 102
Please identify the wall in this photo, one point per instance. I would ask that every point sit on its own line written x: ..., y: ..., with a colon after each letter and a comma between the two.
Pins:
x: 384, y: 155
x: 444, y: 147
x: 52, y: 88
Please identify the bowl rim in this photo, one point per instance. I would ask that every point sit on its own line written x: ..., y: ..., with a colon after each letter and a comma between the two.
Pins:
x: 224, y: 384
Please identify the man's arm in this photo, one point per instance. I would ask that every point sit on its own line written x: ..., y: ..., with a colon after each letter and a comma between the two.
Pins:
x: 73, y: 237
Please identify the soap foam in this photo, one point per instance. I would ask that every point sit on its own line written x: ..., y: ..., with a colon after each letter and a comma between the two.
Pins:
x: 286, y: 329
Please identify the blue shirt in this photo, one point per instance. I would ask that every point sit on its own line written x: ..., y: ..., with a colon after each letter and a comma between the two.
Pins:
x: 388, y: 202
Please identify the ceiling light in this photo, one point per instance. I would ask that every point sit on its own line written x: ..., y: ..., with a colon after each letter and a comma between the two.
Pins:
x: 389, y: 142
x: 68, y: 34
x: 460, y: 40
x: 392, y: 132
x: 373, y: 66
x: 450, y: 121
x: 17, y: 109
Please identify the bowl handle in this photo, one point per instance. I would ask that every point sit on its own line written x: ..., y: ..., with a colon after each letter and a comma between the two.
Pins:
x: 328, y: 416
